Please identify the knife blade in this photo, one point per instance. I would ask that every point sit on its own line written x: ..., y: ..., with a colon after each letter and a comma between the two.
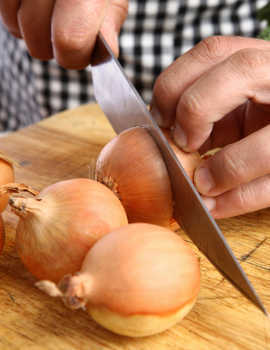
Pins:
x: 124, y: 108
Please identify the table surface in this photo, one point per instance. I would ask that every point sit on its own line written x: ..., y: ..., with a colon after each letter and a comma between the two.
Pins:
x: 64, y: 146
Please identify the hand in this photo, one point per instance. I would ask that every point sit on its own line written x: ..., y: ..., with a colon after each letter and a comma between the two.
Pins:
x: 64, y: 29
x: 218, y: 95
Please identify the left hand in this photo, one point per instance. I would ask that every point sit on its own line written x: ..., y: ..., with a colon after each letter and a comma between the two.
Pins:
x: 218, y: 95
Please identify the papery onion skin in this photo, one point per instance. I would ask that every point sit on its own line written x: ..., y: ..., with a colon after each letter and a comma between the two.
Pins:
x: 138, y: 280
x: 57, y: 228
x: 6, y: 176
x: 151, y: 261
x: 2, y: 234
x: 132, y: 166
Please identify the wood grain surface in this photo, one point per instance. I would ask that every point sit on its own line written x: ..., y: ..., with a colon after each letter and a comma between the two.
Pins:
x: 64, y: 146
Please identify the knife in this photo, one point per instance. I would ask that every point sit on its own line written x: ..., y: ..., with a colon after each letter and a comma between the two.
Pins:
x: 125, y: 109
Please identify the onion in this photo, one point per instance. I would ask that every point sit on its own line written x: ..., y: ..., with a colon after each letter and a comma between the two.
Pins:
x: 131, y: 165
x: 138, y: 280
x: 2, y: 234
x: 7, y: 176
x: 57, y: 228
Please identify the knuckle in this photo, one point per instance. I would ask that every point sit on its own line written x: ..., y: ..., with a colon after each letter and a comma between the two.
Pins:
x: 190, y: 104
x: 166, y: 92
x: 210, y: 48
x: 249, y: 60
x: 122, y: 7
x: 234, y: 168
x: 245, y: 196
x: 68, y: 41
x: 162, y: 87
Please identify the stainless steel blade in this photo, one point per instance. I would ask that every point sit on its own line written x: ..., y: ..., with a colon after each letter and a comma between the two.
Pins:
x: 124, y: 108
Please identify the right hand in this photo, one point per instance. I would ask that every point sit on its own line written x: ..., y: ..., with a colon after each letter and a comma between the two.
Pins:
x: 217, y: 95
x: 64, y: 29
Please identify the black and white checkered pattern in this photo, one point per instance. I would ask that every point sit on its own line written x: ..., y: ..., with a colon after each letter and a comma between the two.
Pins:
x: 155, y: 33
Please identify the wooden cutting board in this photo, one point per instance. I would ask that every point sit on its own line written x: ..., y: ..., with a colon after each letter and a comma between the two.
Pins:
x: 63, y: 147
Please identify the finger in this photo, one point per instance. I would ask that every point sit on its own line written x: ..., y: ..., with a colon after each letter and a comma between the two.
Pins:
x: 35, y: 26
x: 183, y: 72
x: 8, y: 10
x: 110, y: 28
x: 74, y: 30
x: 235, y: 164
x: 212, y: 96
x: 246, y: 198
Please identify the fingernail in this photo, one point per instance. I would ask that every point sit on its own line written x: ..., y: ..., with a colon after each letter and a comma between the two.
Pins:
x: 156, y: 114
x: 204, y: 180
x: 210, y: 203
x: 179, y: 137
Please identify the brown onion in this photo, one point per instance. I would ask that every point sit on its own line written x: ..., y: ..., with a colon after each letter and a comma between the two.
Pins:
x: 6, y: 176
x: 138, y: 280
x: 131, y: 165
x: 2, y: 234
x: 57, y: 227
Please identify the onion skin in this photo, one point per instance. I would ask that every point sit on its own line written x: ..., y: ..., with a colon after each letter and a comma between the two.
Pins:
x: 7, y: 176
x: 138, y: 280
x: 57, y: 228
x: 2, y: 234
x: 132, y: 166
